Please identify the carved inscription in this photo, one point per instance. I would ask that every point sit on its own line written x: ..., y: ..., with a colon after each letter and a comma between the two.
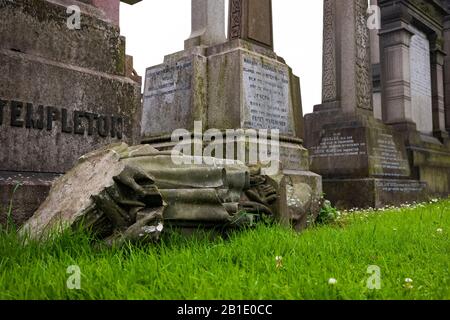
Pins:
x: 28, y: 116
x: 388, y: 158
x: 167, y: 98
x: 235, y: 19
x: 167, y: 80
x: 400, y: 186
x: 363, y: 64
x: 421, y: 100
x: 338, y: 145
x: 266, y: 94
x: 329, y: 52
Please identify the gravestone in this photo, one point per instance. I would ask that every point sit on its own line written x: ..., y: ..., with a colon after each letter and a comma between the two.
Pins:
x: 364, y: 163
x: 239, y: 84
x: 64, y: 92
x: 421, y: 99
x: 251, y: 20
x: 413, y: 45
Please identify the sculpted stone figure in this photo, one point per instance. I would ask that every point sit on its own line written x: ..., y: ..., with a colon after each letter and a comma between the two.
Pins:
x: 124, y: 193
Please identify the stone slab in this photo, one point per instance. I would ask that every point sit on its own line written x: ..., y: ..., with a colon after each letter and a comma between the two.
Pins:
x: 174, y: 96
x: 22, y: 193
x: 360, y: 152
x: 52, y: 113
x: 373, y: 193
x: 252, y: 91
x: 41, y: 30
x: 421, y: 95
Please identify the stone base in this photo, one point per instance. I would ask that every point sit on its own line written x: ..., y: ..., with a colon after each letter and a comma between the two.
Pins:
x: 373, y: 193
x: 21, y: 194
x: 299, y: 190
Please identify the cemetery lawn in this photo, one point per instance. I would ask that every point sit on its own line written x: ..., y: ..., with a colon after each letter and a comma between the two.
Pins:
x: 406, y: 243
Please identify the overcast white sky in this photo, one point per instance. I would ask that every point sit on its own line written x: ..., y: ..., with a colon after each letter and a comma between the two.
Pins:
x: 159, y: 27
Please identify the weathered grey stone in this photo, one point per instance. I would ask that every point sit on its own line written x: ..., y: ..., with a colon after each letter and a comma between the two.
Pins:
x: 175, y: 94
x: 63, y: 93
x: 240, y: 86
x: 123, y: 193
x: 346, y: 56
x: 447, y: 71
x: 251, y: 20
x: 364, y: 162
x: 208, y: 23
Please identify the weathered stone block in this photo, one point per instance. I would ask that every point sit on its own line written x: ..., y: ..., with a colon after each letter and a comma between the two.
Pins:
x: 53, y: 113
x: 175, y: 95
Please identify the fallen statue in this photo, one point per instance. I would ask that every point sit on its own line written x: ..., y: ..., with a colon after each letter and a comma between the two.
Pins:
x: 124, y: 193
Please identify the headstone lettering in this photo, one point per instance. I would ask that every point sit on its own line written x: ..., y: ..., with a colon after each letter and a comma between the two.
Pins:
x: 2, y: 106
x: 103, y: 126
x: 52, y: 115
x: 16, y: 112
x: 266, y: 93
x: 78, y: 126
x: 91, y: 117
x: 66, y: 128
x: 421, y: 96
x: 31, y: 121
x: 338, y: 145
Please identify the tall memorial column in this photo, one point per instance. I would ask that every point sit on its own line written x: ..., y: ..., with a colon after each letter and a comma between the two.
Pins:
x: 363, y: 162
x: 347, y: 81
x: 208, y: 23
x: 374, y: 24
x: 251, y: 20
x: 242, y: 91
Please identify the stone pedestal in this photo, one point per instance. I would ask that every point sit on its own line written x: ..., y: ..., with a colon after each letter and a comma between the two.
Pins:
x: 240, y: 86
x: 63, y: 93
x: 414, y: 95
x: 364, y: 163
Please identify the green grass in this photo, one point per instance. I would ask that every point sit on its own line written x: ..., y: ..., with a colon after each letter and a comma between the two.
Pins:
x: 404, y: 243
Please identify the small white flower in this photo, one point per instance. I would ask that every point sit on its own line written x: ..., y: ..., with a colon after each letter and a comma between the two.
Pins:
x: 332, y: 281
x: 440, y: 230
x: 408, y: 283
x: 279, y: 261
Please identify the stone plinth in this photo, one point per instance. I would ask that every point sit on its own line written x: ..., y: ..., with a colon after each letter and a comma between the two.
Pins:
x: 63, y: 93
x: 364, y: 162
x: 237, y: 85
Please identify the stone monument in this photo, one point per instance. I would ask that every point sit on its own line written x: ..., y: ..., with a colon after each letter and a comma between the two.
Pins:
x: 407, y: 61
x: 364, y: 163
x: 65, y: 90
x: 413, y: 47
x: 236, y: 84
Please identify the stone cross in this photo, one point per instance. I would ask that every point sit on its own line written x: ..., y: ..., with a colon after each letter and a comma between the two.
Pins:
x: 347, y: 80
x: 251, y: 20
x: 208, y: 23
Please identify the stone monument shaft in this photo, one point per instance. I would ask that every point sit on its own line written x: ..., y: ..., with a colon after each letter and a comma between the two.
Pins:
x: 346, y: 55
x: 208, y: 23
x: 251, y: 20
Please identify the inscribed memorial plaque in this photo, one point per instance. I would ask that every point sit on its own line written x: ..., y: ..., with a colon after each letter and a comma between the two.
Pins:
x: 167, y: 98
x: 266, y: 95
x: 421, y: 101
